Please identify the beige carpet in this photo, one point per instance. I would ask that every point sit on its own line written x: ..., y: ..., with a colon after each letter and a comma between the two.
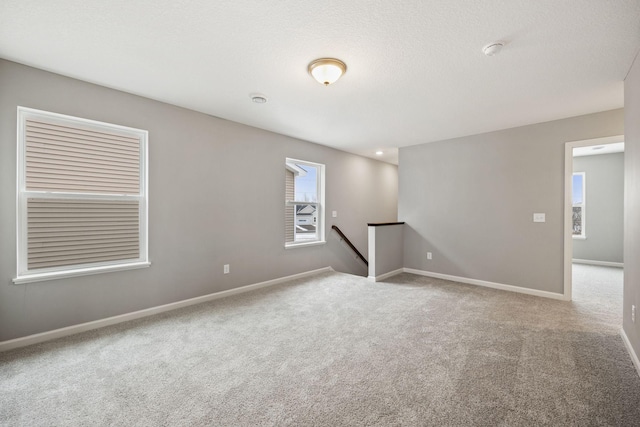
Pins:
x: 338, y: 350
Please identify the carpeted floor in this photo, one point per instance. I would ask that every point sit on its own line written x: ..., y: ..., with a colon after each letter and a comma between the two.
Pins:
x: 338, y: 350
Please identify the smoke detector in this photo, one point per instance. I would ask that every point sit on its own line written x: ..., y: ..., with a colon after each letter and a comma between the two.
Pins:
x: 493, y: 48
x: 258, y: 98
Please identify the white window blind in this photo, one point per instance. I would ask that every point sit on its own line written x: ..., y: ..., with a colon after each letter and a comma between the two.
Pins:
x: 82, y: 193
x: 290, y: 211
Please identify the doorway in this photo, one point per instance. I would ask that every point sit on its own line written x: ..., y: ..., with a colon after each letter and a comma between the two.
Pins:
x: 575, y: 216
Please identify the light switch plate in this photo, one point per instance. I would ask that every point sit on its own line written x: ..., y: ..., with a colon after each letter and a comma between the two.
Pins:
x: 334, y: 214
x: 539, y: 217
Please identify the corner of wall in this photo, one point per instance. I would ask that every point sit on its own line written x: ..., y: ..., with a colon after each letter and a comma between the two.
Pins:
x: 631, y: 296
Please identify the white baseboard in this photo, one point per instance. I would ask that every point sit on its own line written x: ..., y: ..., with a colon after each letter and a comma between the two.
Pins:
x: 501, y: 286
x: 82, y: 327
x: 385, y: 275
x: 600, y: 263
x: 632, y: 353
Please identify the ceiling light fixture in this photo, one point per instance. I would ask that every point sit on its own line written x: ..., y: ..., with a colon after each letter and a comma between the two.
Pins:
x: 379, y: 153
x: 493, y: 48
x: 327, y: 70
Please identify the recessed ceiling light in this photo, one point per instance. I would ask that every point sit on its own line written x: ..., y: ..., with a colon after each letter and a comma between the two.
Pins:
x: 258, y: 99
x: 379, y: 153
x: 493, y: 48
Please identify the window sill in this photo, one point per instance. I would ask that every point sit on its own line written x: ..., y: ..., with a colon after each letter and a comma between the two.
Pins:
x: 304, y: 244
x: 39, y: 277
x: 580, y: 237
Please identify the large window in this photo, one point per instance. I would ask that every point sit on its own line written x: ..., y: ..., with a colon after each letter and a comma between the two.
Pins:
x: 578, y: 197
x: 304, y: 203
x: 82, y: 196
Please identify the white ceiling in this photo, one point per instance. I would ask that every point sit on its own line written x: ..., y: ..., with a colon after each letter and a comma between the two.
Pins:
x: 416, y: 71
x: 593, y: 150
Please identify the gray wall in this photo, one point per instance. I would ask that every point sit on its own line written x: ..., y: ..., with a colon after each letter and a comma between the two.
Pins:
x: 471, y: 200
x: 199, y: 218
x: 604, y: 175
x: 632, y: 205
x: 385, y: 249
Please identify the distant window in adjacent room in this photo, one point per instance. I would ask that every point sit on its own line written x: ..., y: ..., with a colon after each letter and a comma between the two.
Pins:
x: 82, y: 196
x: 578, y: 197
x: 304, y: 203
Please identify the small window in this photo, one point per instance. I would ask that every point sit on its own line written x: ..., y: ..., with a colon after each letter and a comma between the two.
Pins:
x: 82, y: 196
x: 304, y: 203
x: 578, y: 197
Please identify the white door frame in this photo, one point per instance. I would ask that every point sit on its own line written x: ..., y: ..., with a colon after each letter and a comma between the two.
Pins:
x: 568, y: 204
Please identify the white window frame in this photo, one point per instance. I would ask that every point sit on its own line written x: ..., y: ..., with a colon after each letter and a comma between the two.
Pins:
x: 583, y: 205
x: 24, y: 275
x: 320, y: 205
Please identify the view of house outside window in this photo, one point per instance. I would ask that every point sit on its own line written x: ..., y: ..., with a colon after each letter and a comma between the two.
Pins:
x: 82, y: 196
x: 578, y: 197
x: 303, y: 198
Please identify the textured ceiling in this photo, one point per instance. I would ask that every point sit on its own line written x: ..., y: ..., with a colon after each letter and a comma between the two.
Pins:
x: 416, y: 72
x: 594, y: 150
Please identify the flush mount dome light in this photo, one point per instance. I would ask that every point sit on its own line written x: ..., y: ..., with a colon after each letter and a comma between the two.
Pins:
x: 327, y: 70
x: 379, y: 153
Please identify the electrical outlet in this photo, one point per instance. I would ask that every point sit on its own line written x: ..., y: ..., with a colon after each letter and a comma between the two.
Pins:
x: 429, y: 255
x: 633, y: 313
x: 226, y: 269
